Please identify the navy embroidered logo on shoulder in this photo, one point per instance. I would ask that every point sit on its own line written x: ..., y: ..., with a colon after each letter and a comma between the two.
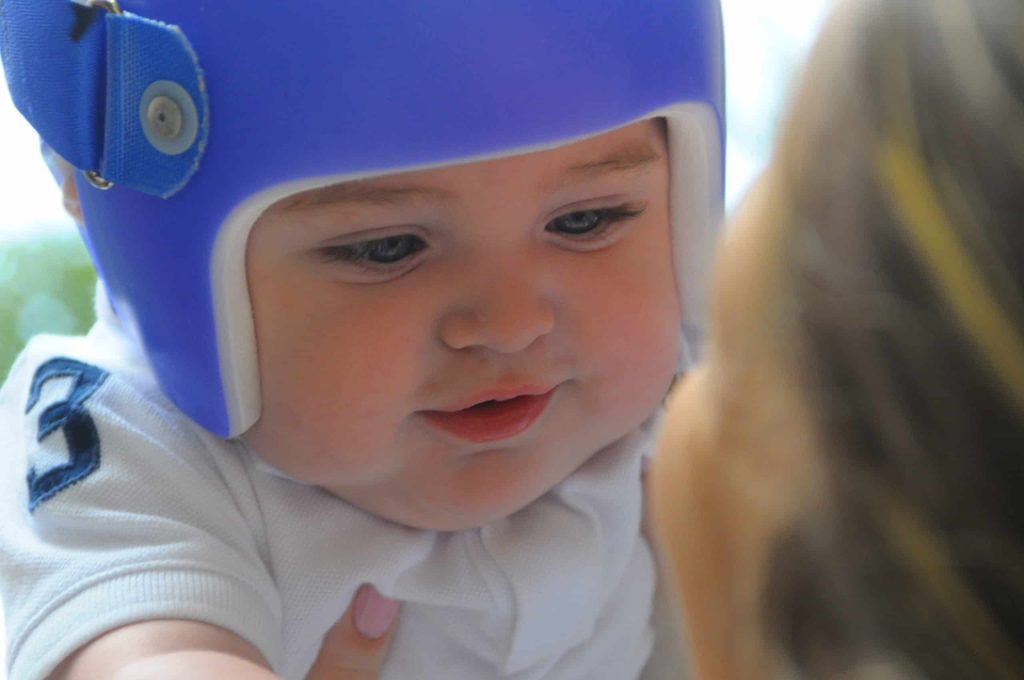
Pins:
x: 71, y: 417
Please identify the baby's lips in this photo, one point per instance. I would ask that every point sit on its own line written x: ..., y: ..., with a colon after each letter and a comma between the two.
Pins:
x: 491, y: 420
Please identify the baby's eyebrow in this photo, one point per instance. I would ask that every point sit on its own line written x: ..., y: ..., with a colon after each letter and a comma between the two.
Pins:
x: 365, y: 192
x: 372, y: 192
x: 625, y: 158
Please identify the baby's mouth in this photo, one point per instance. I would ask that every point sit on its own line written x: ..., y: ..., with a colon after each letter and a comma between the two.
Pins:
x: 491, y: 420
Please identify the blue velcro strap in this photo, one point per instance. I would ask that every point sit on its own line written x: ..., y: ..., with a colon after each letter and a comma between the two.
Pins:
x: 53, y: 53
x: 79, y: 75
x: 141, y: 52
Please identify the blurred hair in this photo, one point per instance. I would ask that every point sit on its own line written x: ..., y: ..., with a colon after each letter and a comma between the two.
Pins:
x: 902, y: 174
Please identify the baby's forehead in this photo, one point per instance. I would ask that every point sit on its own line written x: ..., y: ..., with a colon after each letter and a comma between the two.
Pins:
x: 632, y: 149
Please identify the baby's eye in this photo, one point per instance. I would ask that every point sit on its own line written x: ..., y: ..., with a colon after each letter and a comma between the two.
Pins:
x: 583, y: 225
x: 379, y: 251
x: 576, y: 222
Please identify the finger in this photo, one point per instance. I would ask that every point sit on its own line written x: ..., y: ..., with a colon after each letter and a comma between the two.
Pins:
x: 356, y: 647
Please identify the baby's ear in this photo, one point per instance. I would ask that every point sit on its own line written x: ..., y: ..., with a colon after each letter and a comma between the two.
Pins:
x: 64, y: 173
x: 70, y: 192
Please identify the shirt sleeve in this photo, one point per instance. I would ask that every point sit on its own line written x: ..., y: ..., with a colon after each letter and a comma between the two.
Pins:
x: 118, y: 510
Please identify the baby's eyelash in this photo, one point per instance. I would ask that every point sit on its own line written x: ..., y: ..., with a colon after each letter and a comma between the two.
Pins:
x: 383, y: 252
x: 392, y: 253
x: 592, y: 224
x: 331, y: 254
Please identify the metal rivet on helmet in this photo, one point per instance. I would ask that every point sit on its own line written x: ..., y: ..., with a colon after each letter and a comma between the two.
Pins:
x: 164, y: 117
x: 169, y: 117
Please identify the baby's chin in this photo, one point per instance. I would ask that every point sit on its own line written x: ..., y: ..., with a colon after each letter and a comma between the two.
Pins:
x: 457, y: 510
x: 458, y: 521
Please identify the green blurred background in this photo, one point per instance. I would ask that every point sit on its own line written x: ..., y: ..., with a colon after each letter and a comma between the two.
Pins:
x: 47, y: 285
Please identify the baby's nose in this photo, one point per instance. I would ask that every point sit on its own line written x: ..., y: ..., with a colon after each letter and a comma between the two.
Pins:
x: 504, y: 318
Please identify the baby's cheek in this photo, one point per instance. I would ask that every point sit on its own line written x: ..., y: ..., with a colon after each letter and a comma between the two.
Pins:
x: 649, y: 331
x: 639, y: 363
x: 645, y: 342
x: 322, y: 433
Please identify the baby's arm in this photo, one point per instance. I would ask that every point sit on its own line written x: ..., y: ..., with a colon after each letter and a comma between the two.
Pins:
x: 123, y: 525
x: 173, y: 649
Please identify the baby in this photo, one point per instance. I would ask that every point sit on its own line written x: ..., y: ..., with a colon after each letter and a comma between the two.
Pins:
x: 391, y: 294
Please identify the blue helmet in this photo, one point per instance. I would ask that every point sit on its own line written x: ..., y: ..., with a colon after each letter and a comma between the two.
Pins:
x: 188, y: 119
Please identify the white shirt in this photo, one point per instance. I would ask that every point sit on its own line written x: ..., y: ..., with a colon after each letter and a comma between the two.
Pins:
x: 174, y: 522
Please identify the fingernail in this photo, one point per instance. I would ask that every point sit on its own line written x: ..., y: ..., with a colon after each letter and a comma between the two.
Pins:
x: 373, y: 613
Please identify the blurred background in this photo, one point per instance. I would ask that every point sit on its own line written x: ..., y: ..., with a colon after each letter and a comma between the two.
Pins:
x: 46, y: 280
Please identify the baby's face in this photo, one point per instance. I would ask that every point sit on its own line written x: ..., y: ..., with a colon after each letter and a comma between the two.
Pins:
x: 442, y: 347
